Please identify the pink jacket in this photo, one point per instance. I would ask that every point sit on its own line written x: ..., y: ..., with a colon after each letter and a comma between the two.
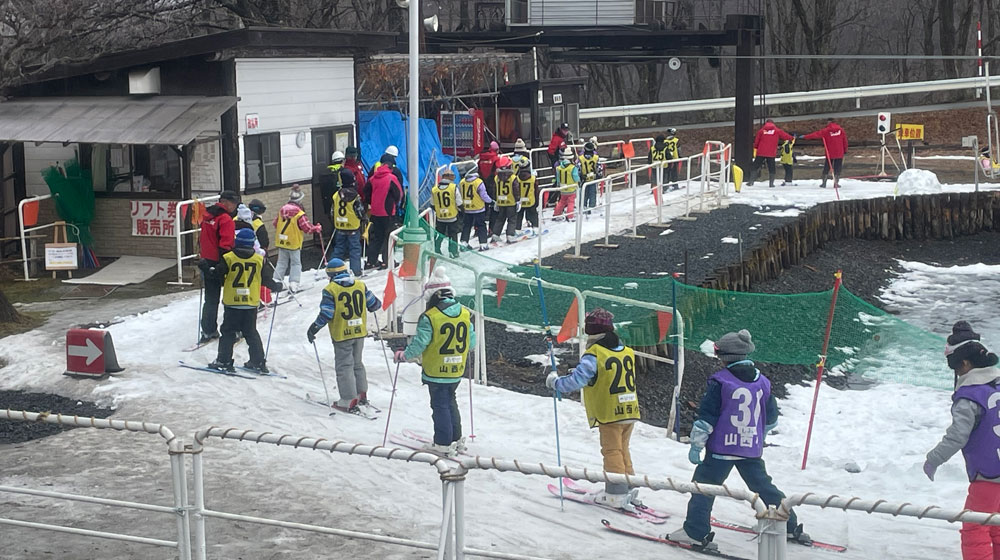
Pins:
x: 289, y: 210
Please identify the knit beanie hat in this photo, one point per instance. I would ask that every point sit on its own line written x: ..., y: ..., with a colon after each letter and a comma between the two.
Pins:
x: 494, y: 146
x: 335, y: 267
x: 734, y: 346
x: 438, y: 283
x: 599, y: 321
x: 245, y: 238
x: 519, y: 145
x: 963, y: 344
x: 244, y: 214
x: 296, y: 194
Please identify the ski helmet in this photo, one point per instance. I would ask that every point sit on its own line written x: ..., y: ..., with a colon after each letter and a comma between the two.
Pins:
x: 337, y: 157
x: 335, y: 267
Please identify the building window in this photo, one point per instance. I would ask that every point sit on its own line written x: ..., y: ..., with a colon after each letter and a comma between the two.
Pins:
x: 262, y: 153
x: 127, y: 169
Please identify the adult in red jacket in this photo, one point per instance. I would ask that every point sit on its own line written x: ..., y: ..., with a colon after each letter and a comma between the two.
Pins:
x: 383, y: 193
x: 216, y: 238
x: 352, y: 162
x: 765, y: 146
x: 559, y: 137
x: 835, y: 144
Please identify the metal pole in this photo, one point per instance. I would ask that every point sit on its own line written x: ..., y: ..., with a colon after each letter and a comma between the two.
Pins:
x: 772, y: 543
x: 200, y: 547
x: 444, y: 539
x: 180, y: 503
x: 635, y: 189
x: 975, y: 159
x: 658, y: 194
x: 460, y: 518
x: 821, y: 365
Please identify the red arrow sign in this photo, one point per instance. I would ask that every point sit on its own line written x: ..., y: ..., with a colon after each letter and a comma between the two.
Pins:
x: 89, y: 350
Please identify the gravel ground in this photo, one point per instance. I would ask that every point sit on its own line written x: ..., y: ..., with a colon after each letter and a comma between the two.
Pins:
x: 868, y: 266
x: 17, y: 432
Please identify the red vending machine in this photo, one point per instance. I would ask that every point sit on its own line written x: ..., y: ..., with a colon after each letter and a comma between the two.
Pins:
x: 463, y: 133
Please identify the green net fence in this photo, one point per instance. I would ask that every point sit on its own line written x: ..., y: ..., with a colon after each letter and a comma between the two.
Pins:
x: 787, y: 329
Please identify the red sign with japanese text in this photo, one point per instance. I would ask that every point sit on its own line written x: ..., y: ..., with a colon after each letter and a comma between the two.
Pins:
x: 154, y: 218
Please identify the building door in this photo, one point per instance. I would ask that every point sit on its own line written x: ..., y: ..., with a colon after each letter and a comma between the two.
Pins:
x: 325, y: 141
x: 12, y: 191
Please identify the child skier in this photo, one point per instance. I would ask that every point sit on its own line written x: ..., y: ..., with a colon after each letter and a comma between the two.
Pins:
x: 259, y: 229
x: 474, y: 200
x: 527, y: 185
x: 735, y: 414
x: 343, y: 308
x: 567, y: 178
x: 606, y: 374
x: 788, y: 159
x: 975, y: 430
x: 447, y: 200
x: 349, y: 220
x: 242, y: 273
x: 290, y: 238
x: 442, y: 343
x: 508, y: 201
x: 590, y: 169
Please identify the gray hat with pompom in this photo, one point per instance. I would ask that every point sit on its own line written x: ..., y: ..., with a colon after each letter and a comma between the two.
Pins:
x: 734, y: 346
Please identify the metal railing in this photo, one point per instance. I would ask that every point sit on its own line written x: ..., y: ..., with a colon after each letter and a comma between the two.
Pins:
x: 180, y: 233
x: 25, y: 230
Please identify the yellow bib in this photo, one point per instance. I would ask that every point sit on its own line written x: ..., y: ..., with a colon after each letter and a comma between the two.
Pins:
x: 527, y: 192
x: 505, y: 192
x: 611, y: 396
x: 350, y: 316
x: 289, y: 234
x: 470, y: 195
x: 443, y: 197
x: 567, y: 183
x: 256, y: 223
x: 448, y: 350
x: 658, y: 155
x: 242, y: 284
x: 589, y: 166
x: 672, y: 150
x: 344, y: 216
x: 786, y: 152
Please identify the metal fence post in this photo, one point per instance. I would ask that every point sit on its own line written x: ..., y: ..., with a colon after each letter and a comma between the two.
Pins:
x: 772, y: 541
x: 460, y: 519
x: 180, y: 503
x: 445, y: 541
x: 658, y: 196
x: 200, y: 547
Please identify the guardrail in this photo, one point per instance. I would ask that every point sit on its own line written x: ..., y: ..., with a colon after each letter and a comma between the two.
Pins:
x: 20, y: 221
x: 180, y: 233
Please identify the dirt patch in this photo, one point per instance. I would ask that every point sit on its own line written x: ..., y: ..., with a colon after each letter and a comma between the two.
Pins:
x: 28, y: 320
x: 17, y: 432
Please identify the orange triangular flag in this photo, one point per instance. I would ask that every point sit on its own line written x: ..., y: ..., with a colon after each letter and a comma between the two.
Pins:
x: 501, y: 290
x: 570, y: 324
x: 389, y: 295
x: 664, y: 319
x: 408, y: 268
x: 628, y: 150
x: 656, y: 194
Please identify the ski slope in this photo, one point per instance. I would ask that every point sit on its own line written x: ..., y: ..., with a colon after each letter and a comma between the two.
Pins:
x: 885, y: 431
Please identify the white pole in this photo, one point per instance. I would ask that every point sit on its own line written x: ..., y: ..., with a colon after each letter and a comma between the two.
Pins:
x: 412, y: 233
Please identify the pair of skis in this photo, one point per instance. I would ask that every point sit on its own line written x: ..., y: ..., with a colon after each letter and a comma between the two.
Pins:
x: 576, y: 493
x: 368, y: 412
x: 243, y: 372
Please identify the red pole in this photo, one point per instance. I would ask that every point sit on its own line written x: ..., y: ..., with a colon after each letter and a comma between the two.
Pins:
x: 829, y: 162
x: 821, y: 365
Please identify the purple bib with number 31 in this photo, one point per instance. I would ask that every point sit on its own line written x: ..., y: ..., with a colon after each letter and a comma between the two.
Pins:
x: 740, y: 429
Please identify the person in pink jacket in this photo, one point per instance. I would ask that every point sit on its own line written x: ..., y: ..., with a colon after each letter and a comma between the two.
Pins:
x: 765, y: 146
x: 835, y: 145
x: 291, y: 227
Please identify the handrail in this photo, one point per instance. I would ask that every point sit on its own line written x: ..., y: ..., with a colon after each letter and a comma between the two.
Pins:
x: 180, y: 233
x: 20, y: 221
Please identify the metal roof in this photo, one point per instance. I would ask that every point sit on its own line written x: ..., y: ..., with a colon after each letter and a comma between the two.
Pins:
x: 174, y: 120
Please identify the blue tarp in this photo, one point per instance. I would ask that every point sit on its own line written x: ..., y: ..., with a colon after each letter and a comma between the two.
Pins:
x: 380, y: 129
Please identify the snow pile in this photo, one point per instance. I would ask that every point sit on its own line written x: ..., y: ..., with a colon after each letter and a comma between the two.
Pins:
x: 918, y: 181
x: 786, y: 213
x: 731, y: 240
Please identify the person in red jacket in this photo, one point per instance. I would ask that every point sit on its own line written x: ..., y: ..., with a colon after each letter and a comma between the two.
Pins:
x: 352, y: 162
x: 835, y: 144
x: 765, y: 145
x: 217, y: 236
x: 487, y: 172
x: 559, y: 137
x: 383, y: 193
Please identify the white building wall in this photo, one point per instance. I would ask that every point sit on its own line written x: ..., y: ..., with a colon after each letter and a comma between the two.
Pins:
x: 42, y: 156
x: 292, y: 95
x: 581, y: 12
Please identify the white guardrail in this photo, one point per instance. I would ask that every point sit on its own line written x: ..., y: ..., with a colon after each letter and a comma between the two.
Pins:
x: 450, y: 545
x: 180, y: 233
x: 25, y: 230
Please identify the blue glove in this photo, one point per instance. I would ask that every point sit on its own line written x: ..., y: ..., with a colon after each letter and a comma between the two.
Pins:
x: 929, y: 470
x: 694, y: 455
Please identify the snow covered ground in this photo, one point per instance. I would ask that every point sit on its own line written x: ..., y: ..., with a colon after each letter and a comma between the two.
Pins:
x: 885, y: 430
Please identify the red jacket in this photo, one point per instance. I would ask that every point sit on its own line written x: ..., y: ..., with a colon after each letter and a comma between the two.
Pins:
x: 766, y: 141
x: 383, y: 192
x: 217, y: 233
x: 359, y: 173
x: 834, y: 140
x: 487, y: 163
x: 557, y: 140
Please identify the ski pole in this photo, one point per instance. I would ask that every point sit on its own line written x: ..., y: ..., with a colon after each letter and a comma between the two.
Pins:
x: 291, y: 296
x: 388, y: 368
x: 322, y: 257
x: 274, y: 313
x: 552, y: 363
x: 320, y: 366
x: 392, y: 398
x: 201, y: 295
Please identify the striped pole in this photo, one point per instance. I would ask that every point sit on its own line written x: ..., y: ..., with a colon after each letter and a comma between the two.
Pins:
x: 979, y: 53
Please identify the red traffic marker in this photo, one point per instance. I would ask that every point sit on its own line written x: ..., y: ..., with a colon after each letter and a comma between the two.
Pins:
x: 90, y: 353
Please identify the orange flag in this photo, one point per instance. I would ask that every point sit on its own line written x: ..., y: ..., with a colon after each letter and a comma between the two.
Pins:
x: 431, y: 261
x: 570, y: 324
x: 390, y: 292
x: 664, y: 319
x: 501, y: 290
x: 628, y: 150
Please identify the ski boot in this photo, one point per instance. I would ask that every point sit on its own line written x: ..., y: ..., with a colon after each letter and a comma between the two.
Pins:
x: 208, y: 337
x: 509, y: 239
x: 350, y: 408
x: 615, y: 501
x: 460, y: 446
x: 260, y: 367
x: 363, y: 400
x: 681, y: 536
x: 799, y: 537
x: 442, y: 450
x: 634, y: 499
x: 222, y: 366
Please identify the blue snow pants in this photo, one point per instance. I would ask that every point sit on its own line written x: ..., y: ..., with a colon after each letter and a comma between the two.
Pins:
x: 444, y: 412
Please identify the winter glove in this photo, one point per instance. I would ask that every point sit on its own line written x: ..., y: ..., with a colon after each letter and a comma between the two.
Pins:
x: 311, y: 333
x: 318, y: 228
x: 276, y: 287
x: 929, y: 470
x: 550, y: 381
x: 694, y: 455
x: 399, y: 356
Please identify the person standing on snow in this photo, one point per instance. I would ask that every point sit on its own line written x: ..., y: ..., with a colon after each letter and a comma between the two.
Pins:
x: 348, y: 221
x: 658, y: 152
x: 606, y: 375
x: 488, y: 172
x: 244, y: 220
x: 507, y: 201
x: 242, y: 273
x: 975, y: 430
x: 445, y: 336
x: 259, y: 229
x: 330, y: 182
x: 474, y: 198
x: 527, y: 186
x: 834, y: 146
x: 765, y: 145
x: 291, y: 226
x: 383, y: 192
x: 521, y: 156
x: 673, y: 152
x: 567, y: 179
x: 215, y: 238
x: 736, y: 413
x: 345, y: 307
x: 591, y: 169
x: 446, y: 198
x: 787, y: 151
x: 559, y: 138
